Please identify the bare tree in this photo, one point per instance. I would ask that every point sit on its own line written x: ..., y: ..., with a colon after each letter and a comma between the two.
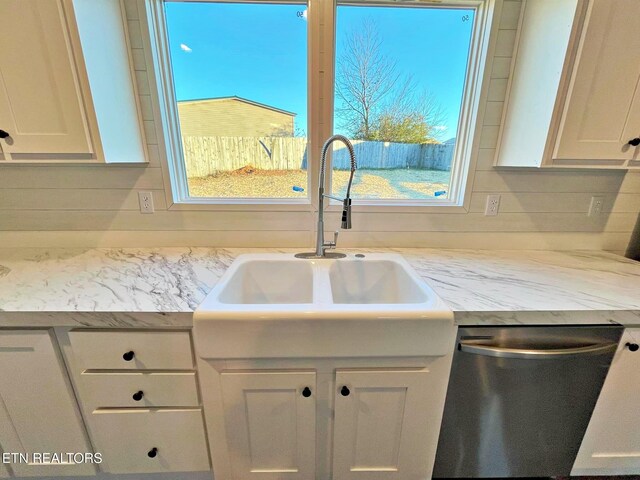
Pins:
x: 376, y: 102
x: 364, y: 77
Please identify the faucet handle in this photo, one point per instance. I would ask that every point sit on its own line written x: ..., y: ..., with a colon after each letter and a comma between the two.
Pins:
x: 330, y: 245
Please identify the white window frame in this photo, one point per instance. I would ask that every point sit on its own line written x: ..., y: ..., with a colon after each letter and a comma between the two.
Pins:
x: 321, y: 16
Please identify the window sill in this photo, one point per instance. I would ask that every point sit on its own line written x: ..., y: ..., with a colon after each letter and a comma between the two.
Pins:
x: 244, y: 204
x: 304, y: 205
x: 431, y: 207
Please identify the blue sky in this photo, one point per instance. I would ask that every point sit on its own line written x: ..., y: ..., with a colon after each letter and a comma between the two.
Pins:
x: 260, y: 51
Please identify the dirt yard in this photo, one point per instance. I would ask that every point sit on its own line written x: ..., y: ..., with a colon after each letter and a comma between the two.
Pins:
x: 394, y: 184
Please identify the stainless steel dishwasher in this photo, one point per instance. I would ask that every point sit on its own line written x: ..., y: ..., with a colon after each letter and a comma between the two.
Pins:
x: 520, y: 398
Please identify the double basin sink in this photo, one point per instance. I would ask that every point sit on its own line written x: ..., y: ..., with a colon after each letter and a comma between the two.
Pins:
x: 276, y: 305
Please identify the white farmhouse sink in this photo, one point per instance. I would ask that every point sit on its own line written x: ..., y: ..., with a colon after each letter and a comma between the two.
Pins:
x: 268, y: 282
x: 375, y: 282
x: 275, y: 305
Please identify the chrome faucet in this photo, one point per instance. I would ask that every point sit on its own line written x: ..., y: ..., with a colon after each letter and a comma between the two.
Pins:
x: 321, y: 245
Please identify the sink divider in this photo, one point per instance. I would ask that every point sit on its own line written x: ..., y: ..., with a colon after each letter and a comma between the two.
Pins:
x: 322, y: 293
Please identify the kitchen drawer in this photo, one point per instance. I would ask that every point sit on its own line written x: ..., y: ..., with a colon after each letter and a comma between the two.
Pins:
x: 108, y: 350
x: 159, y: 389
x: 126, y: 437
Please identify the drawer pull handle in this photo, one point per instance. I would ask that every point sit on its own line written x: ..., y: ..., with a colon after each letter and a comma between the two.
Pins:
x: 153, y: 452
x: 634, y: 142
x: 306, y: 393
x: 129, y: 356
x: 632, y: 346
x: 344, y: 391
x: 3, y: 134
x: 138, y: 395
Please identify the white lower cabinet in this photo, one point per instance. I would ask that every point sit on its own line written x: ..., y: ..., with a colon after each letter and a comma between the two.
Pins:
x: 381, y: 420
x: 135, y: 350
x: 38, y: 410
x: 611, y: 445
x: 140, y: 389
x: 139, y: 394
x: 146, y: 441
x: 339, y: 419
x: 270, y: 422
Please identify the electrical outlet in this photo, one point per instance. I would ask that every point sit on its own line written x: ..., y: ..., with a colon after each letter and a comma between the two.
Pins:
x: 146, y: 202
x: 595, y: 207
x: 493, y: 205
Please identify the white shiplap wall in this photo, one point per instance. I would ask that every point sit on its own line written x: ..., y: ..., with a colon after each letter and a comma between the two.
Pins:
x: 97, y: 205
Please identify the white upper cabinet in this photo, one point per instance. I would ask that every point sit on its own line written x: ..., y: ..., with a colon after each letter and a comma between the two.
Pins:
x: 602, y: 111
x: 67, y: 91
x: 41, y: 106
x: 573, y: 98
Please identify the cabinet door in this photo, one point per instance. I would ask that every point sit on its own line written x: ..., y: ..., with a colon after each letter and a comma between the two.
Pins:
x: 40, y: 102
x: 611, y: 445
x: 385, y: 427
x: 602, y: 110
x: 270, y: 424
x: 38, y: 411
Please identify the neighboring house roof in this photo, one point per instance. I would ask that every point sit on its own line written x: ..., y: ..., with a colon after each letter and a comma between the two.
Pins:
x: 239, y: 99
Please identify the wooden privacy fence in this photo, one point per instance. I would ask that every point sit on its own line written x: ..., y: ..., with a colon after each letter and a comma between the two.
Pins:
x: 430, y: 156
x: 209, y: 155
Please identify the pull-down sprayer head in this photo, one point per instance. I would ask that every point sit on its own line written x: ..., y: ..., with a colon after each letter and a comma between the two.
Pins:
x: 346, y: 214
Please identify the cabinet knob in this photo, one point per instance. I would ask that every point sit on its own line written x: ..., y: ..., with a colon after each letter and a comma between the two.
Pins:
x: 306, y: 393
x: 138, y: 395
x: 634, y: 141
x: 344, y: 391
x: 153, y: 452
x: 4, y: 134
x: 632, y: 346
x: 129, y: 356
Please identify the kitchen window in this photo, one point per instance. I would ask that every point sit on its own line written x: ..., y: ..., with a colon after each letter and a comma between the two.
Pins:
x: 253, y: 88
x: 399, y: 80
x: 239, y: 74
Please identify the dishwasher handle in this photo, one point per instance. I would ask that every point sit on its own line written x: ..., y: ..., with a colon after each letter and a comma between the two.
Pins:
x: 533, y: 354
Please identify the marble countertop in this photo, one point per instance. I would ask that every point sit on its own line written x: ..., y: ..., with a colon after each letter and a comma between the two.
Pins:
x: 160, y: 287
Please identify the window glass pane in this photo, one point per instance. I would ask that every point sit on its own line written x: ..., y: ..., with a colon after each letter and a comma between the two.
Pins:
x: 400, y: 76
x: 240, y: 76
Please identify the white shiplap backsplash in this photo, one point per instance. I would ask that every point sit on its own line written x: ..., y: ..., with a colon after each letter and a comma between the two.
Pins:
x: 98, y: 206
